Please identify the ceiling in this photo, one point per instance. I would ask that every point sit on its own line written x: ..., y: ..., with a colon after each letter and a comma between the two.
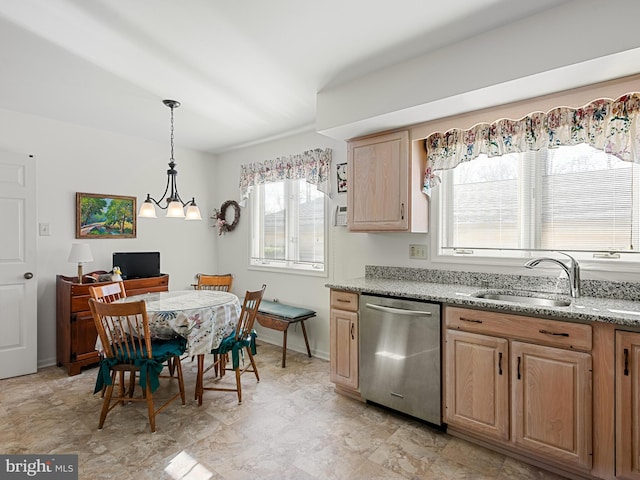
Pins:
x: 244, y: 70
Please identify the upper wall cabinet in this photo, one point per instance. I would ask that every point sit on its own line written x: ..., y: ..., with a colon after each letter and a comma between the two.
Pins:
x: 384, y: 192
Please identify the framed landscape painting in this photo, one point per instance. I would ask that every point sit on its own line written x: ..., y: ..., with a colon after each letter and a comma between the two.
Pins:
x: 105, y: 216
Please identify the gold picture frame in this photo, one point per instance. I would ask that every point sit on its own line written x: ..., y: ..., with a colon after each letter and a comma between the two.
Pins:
x: 105, y: 216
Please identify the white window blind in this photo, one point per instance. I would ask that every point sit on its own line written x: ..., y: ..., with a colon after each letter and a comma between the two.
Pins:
x: 573, y: 198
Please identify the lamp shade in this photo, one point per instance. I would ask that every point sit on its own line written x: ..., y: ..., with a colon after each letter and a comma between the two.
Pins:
x: 147, y: 210
x: 80, y: 253
x: 175, y: 210
x: 193, y: 213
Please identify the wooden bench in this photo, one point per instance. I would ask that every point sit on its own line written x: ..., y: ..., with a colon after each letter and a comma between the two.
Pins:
x: 278, y: 316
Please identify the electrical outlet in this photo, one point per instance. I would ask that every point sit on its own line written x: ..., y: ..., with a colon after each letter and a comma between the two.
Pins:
x: 418, y: 251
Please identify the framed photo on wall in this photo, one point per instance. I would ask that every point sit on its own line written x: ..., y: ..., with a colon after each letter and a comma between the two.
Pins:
x: 105, y: 216
x: 342, y: 177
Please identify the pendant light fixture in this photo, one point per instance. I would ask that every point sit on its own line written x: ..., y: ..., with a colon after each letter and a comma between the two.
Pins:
x: 174, y: 204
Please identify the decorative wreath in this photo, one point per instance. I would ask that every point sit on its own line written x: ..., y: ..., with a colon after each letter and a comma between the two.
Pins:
x: 221, y: 217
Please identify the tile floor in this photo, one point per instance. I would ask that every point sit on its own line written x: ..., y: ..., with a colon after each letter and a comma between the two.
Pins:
x: 291, y: 425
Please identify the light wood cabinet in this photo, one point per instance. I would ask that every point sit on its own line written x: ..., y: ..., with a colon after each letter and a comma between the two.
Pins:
x: 627, y: 367
x: 76, y: 333
x: 551, y: 402
x: 384, y: 192
x: 521, y: 382
x: 344, y: 340
x: 477, y: 376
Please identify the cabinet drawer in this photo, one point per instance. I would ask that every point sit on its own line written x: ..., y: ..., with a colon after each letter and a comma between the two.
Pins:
x: 344, y: 300
x: 577, y: 336
x: 80, y: 303
x: 268, y: 321
x: 140, y: 291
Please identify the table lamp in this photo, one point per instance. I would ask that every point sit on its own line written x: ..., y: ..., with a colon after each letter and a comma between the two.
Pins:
x: 80, y: 253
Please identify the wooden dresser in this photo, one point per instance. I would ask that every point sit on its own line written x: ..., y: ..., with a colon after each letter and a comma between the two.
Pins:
x: 75, y: 331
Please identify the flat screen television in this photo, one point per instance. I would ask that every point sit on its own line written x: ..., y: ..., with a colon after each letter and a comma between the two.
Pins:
x: 137, y: 264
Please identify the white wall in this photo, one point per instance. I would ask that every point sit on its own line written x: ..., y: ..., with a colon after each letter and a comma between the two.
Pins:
x: 348, y: 252
x: 233, y: 247
x: 577, y: 43
x: 72, y: 159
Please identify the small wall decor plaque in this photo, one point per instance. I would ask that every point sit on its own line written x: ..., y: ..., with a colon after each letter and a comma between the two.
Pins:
x: 105, y: 216
x: 342, y: 177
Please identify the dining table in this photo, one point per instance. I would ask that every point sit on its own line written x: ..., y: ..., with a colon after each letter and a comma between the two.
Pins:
x: 203, y: 317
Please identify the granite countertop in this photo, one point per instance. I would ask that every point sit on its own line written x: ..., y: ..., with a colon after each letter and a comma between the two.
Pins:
x: 584, y: 309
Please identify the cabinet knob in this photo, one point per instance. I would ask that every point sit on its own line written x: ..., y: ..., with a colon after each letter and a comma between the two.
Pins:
x: 28, y: 275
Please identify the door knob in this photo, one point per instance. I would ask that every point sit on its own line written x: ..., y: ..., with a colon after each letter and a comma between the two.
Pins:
x: 28, y: 275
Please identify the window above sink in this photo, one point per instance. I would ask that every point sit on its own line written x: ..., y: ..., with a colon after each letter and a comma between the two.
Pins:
x: 560, y: 179
x: 572, y: 198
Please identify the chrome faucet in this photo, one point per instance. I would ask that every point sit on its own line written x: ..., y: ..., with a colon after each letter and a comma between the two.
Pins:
x: 572, y: 271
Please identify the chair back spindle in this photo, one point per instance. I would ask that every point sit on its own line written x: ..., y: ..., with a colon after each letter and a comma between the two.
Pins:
x: 108, y: 293
x: 220, y: 283
x: 123, y: 329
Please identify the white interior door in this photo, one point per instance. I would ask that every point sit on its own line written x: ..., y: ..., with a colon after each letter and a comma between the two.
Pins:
x: 18, y: 281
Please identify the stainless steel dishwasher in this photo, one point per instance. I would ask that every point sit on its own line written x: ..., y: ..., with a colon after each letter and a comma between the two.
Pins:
x: 400, y: 355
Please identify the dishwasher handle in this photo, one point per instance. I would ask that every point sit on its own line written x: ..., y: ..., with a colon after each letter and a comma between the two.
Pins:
x: 398, y: 311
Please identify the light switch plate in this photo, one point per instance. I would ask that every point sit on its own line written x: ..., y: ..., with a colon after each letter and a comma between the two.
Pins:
x: 418, y: 251
x: 44, y: 229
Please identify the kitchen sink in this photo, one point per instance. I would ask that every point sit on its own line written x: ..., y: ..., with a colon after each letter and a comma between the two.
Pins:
x: 524, y: 299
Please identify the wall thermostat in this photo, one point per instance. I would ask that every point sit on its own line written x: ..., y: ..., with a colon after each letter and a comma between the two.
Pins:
x: 341, y: 216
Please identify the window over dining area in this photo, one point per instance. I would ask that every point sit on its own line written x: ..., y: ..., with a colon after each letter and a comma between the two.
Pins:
x: 288, y: 226
x: 288, y: 212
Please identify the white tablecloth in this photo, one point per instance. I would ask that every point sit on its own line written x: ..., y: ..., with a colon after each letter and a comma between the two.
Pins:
x: 203, y: 317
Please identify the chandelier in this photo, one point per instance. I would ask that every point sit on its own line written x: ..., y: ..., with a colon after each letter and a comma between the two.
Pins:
x: 174, y: 204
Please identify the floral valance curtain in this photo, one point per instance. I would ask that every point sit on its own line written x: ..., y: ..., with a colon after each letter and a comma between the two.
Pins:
x: 605, y: 124
x: 313, y: 166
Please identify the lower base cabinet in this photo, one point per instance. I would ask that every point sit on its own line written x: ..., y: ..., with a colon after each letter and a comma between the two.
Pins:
x: 627, y: 367
x: 477, y: 379
x: 551, y: 402
x: 532, y: 398
x: 343, y: 328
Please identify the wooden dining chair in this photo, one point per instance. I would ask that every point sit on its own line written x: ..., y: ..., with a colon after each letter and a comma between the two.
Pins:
x: 242, y: 341
x: 123, y: 329
x: 108, y: 293
x: 221, y: 283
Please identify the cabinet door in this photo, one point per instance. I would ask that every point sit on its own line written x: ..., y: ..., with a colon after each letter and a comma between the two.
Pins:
x: 378, y: 173
x: 477, y: 383
x: 552, y: 397
x: 627, y: 405
x: 344, y: 348
x: 83, y: 337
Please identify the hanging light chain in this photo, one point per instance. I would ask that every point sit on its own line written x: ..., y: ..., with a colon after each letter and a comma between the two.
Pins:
x: 172, y: 106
